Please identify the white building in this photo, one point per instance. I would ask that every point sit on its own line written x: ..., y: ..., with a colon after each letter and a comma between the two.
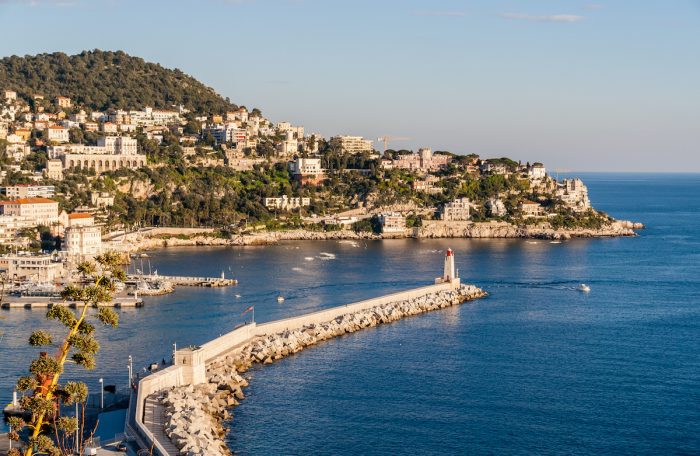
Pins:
x: 28, y: 191
x: 10, y: 225
x: 34, y: 268
x: 228, y: 133
x: 54, y: 169
x: 289, y: 146
x: 149, y: 117
x: 574, y: 194
x: 496, y: 208
x: 58, y: 134
x: 110, y: 128
x: 111, y: 153
x: 392, y: 222
x: 18, y: 152
x: 352, y: 144
x: 10, y: 95
x: 83, y: 240
x: 531, y: 209
x: 537, y: 171
x: 119, y: 145
x: 101, y: 199
x: 42, y: 211
x: 285, y: 203
x: 457, y: 210
x: 307, y: 170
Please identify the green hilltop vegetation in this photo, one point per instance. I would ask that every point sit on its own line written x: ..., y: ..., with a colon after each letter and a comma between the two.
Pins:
x: 99, y: 80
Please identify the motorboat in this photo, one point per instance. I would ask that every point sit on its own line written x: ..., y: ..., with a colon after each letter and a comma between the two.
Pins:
x: 584, y: 288
x: 280, y: 298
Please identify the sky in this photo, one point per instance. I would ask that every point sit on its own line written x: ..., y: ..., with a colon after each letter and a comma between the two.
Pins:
x: 601, y: 85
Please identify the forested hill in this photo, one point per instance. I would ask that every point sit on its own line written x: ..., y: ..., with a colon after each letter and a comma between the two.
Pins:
x: 105, y: 79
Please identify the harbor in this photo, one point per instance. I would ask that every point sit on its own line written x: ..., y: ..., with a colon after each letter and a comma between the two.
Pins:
x: 40, y: 286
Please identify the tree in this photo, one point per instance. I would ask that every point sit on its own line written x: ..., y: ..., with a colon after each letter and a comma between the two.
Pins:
x: 42, y: 393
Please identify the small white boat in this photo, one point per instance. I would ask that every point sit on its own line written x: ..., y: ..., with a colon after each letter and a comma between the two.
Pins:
x: 238, y: 296
x: 280, y: 298
x: 584, y: 288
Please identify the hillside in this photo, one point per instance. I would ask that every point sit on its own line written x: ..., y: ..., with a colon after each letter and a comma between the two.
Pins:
x: 105, y: 79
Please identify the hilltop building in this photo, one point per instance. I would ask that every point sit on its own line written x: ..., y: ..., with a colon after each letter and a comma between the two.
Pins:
x: 58, y: 134
x: 285, y: 203
x: 537, y: 171
x: 54, y: 169
x: 63, y: 102
x: 352, y: 144
x: 496, y: 208
x: 307, y: 170
x: 424, y: 160
x: 111, y: 153
x: 574, y: 194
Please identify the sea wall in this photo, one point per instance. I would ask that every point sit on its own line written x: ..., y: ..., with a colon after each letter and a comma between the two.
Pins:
x: 194, y: 414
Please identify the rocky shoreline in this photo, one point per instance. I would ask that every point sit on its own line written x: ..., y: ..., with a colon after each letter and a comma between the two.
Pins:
x: 194, y: 415
x: 430, y: 230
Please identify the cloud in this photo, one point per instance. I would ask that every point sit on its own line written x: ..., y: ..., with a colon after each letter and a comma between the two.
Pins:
x: 594, y: 6
x: 441, y: 13
x: 543, y: 18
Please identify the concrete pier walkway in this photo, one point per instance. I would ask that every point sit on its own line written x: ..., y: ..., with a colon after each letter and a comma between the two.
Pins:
x: 154, y: 420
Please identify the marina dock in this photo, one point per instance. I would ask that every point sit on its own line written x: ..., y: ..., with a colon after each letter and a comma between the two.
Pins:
x: 182, y: 281
x: 43, y: 302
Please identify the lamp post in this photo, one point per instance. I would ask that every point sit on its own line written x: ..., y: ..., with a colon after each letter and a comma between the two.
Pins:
x: 131, y: 369
x: 102, y: 393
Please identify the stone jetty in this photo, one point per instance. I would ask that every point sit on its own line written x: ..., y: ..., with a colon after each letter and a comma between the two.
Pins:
x: 194, y: 414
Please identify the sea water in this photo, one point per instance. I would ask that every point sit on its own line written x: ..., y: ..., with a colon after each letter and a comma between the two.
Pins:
x: 536, y: 368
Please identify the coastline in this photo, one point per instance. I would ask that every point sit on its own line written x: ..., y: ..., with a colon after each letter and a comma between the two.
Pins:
x: 430, y: 230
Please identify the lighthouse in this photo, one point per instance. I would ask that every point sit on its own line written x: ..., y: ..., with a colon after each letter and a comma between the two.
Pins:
x: 449, y: 273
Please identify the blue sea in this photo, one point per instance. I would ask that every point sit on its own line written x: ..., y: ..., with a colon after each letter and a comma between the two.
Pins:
x: 535, y: 368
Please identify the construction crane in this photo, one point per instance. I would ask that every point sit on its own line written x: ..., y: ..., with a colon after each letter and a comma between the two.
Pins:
x: 386, y: 138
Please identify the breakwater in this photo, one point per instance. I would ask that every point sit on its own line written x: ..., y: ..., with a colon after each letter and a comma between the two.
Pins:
x: 196, y: 394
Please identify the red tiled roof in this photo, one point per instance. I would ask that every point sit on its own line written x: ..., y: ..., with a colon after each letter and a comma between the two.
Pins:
x: 78, y: 216
x: 36, y: 200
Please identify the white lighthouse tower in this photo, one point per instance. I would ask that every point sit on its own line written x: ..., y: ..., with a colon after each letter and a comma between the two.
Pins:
x: 449, y: 273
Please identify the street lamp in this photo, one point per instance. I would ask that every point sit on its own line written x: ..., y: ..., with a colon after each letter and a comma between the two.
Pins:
x: 131, y: 369
x: 102, y: 393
